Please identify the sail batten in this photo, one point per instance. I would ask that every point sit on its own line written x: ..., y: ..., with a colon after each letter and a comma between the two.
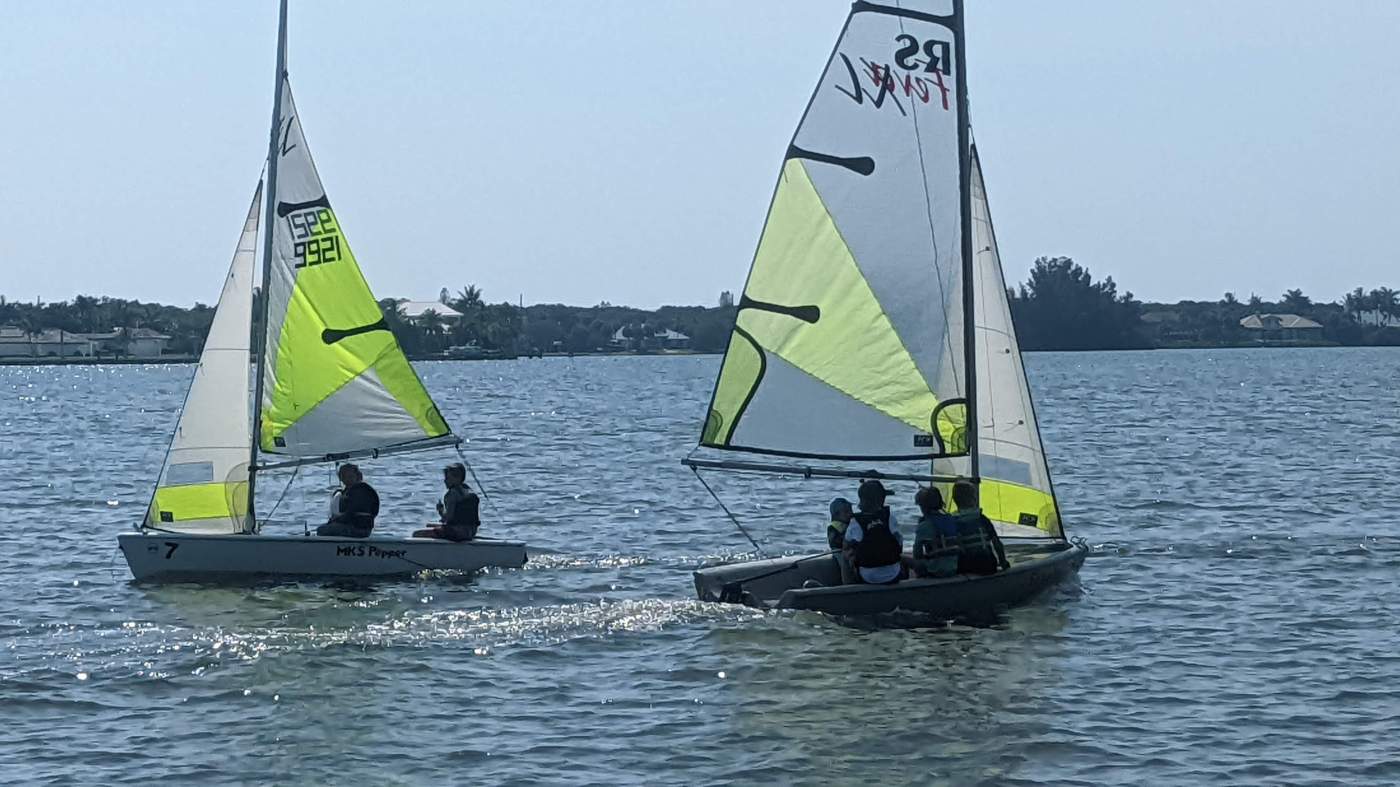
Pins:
x: 845, y: 343
x: 335, y: 380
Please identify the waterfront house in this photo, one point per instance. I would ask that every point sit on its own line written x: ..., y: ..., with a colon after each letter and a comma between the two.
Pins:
x: 1268, y: 328
x: 53, y: 343
x: 672, y: 340
x: 413, y: 311
x: 665, y: 339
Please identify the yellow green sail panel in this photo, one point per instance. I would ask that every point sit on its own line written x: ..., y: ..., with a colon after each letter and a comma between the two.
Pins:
x: 847, y: 344
x: 335, y: 379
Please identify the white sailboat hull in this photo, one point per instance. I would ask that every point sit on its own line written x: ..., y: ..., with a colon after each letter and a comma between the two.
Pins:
x: 165, y: 556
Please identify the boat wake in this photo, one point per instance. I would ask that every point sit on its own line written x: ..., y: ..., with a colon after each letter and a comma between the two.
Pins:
x: 143, y: 651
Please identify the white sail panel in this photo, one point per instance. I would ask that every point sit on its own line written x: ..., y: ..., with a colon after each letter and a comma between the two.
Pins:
x: 335, y: 379
x: 1015, y: 489
x: 854, y: 287
x: 203, y: 486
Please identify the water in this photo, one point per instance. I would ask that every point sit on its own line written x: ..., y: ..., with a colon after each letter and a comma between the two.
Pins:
x: 1236, y: 622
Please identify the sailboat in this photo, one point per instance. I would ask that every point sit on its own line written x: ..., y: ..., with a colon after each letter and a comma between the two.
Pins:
x: 874, y: 337
x: 330, y: 384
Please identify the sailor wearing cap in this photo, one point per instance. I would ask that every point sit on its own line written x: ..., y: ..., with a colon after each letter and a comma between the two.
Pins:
x: 872, y: 538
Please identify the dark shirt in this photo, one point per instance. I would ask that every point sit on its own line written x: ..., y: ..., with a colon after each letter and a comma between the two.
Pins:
x: 359, y: 505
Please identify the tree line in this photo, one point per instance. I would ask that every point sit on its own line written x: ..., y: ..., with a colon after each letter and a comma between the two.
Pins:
x: 1059, y: 306
x: 554, y: 327
x: 92, y: 314
x: 503, y: 327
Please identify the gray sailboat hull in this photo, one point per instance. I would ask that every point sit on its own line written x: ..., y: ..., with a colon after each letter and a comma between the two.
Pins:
x: 778, y: 583
x: 165, y: 556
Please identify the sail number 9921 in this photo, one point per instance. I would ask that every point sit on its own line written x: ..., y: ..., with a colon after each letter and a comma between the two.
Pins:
x: 315, y: 237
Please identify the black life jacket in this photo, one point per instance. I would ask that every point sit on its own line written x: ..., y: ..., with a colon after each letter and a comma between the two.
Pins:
x: 359, y: 505
x: 466, y: 517
x: 975, y: 549
x: 877, y: 546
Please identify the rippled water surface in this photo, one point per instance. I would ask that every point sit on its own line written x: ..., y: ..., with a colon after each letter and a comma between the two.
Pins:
x: 1236, y: 623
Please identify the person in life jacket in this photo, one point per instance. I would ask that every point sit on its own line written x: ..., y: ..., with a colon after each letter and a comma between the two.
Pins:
x: 936, y: 539
x: 979, y: 547
x: 841, y: 515
x: 873, y: 542
x: 357, y: 507
x: 459, y: 514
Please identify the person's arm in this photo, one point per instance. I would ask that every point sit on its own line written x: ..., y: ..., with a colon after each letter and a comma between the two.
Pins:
x: 446, y: 508
x: 342, y: 508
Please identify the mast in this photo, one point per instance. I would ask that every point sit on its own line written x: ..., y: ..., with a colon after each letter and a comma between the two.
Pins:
x: 968, y: 269
x: 269, y: 213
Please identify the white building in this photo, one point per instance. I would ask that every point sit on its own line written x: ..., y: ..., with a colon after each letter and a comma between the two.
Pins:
x: 131, y: 342
x: 414, y: 310
x: 55, y: 343
x: 668, y: 339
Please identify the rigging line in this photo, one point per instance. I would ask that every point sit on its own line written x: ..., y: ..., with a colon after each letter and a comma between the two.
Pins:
x: 786, y: 567
x: 728, y: 513
x: 476, y: 480
x: 280, y: 497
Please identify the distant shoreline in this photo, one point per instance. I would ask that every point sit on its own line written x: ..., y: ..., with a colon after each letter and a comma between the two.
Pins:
x: 188, y: 359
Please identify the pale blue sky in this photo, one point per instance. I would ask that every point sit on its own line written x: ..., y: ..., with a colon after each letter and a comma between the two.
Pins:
x: 626, y: 151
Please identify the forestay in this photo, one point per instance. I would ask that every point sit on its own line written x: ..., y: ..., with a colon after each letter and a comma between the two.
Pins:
x: 1015, y: 489
x: 335, y: 380
x: 847, y: 344
x: 203, y: 484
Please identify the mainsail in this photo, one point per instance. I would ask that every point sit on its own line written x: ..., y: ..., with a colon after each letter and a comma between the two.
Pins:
x: 203, y: 485
x: 335, y: 380
x: 1015, y: 489
x: 848, y: 344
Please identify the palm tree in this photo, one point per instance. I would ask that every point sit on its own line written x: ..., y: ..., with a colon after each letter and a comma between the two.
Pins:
x: 1295, y: 301
x: 1386, y: 301
x: 468, y: 298
x: 1355, y: 301
x: 431, y: 324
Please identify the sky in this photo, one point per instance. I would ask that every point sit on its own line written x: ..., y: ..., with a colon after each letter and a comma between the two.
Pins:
x: 578, y: 152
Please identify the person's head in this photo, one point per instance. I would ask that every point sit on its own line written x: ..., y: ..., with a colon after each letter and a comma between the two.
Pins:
x: 871, y: 494
x: 348, y: 474
x: 928, y: 499
x: 841, y: 510
x: 964, y: 494
x: 454, y: 474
